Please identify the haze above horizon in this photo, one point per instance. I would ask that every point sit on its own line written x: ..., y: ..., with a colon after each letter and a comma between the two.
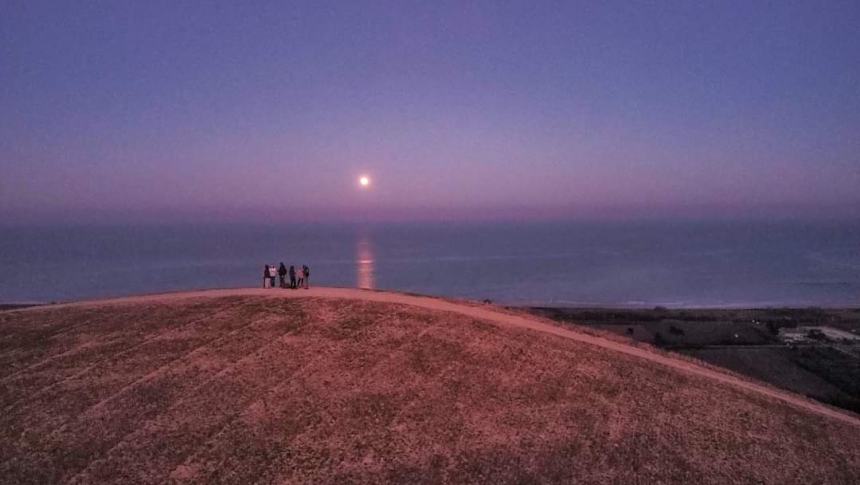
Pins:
x: 158, y: 110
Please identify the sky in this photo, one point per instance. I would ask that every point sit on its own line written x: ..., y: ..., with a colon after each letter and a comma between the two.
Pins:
x: 231, y: 111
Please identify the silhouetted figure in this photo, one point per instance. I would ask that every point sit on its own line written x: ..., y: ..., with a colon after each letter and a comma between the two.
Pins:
x: 306, y: 274
x: 265, y: 275
x: 282, y: 275
x: 300, y: 277
x: 292, y: 277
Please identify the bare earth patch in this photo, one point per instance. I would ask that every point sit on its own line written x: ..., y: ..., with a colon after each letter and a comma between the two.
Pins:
x: 245, y: 388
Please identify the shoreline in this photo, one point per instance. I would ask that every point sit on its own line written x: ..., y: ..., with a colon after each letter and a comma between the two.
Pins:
x: 523, y: 305
x: 19, y: 306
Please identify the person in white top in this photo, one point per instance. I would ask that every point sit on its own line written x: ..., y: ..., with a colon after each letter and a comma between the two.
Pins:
x: 273, y: 273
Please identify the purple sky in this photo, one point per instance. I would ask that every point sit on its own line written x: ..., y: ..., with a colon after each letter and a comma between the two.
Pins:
x: 207, y: 110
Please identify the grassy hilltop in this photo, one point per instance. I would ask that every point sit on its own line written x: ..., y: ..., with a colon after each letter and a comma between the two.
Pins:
x: 260, y: 388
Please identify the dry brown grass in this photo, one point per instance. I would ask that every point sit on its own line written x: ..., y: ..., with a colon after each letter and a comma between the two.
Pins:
x: 245, y: 389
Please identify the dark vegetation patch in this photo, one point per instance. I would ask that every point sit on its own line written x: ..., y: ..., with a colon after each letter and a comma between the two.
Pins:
x: 432, y: 353
x: 749, y: 342
x: 372, y: 409
x: 839, y: 368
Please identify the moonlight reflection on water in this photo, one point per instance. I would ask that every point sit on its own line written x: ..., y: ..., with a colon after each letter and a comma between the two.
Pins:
x: 364, y: 262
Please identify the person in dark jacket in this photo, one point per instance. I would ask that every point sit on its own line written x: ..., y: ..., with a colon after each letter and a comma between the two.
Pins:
x: 265, y: 275
x: 292, y: 277
x: 307, y: 273
x: 282, y: 275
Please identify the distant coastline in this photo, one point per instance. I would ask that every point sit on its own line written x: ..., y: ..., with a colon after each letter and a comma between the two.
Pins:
x: 537, y: 306
x: 18, y: 306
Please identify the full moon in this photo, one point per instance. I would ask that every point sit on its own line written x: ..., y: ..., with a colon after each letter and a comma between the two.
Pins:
x: 364, y: 181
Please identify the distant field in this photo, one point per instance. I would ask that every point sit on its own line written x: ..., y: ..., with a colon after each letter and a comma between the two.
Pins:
x: 778, y: 346
x: 266, y: 389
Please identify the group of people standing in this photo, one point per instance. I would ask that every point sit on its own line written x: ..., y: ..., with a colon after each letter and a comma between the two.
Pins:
x: 298, y: 278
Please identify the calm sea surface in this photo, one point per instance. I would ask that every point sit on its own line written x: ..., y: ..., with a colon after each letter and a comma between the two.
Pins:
x: 623, y: 264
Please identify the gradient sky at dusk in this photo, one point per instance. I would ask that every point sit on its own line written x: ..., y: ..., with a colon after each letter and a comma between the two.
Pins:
x: 157, y: 110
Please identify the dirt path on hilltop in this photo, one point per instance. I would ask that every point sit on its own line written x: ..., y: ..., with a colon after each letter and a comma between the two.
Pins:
x: 487, y: 313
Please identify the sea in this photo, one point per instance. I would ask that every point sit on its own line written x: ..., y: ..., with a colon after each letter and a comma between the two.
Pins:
x: 579, y: 264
